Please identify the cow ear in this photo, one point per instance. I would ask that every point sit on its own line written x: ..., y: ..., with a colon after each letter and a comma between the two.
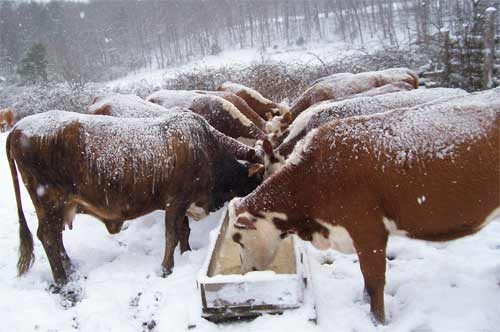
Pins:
x: 268, y: 147
x: 255, y: 169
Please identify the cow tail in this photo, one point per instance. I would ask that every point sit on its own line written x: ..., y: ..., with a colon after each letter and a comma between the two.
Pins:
x: 26, y: 256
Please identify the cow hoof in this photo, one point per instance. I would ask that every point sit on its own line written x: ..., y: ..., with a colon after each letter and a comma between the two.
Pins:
x: 71, y: 295
x: 184, y: 249
x: 149, y: 325
x: 55, y: 288
x: 166, y: 272
x: 378, y: 322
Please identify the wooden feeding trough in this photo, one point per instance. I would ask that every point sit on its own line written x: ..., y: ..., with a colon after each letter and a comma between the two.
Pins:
x: 226, y: 294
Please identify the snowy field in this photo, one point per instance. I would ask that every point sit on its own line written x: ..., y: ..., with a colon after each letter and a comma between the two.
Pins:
x: 430, y: 287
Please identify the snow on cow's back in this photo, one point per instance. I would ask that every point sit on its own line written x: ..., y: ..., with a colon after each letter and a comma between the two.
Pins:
x: 172, y: 98
x: 320, y: 110
x: 325, y: 111
x: 239, y: 88
x: 419, y: 96
x: 113, y: 145
x: 405, y: 136
x: 385, y: 102
x: 186, y: 98
x: 128, y: 104
x: 347, y: 85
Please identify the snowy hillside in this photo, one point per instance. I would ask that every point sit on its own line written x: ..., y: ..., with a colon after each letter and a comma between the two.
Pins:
x: 293, y: 55
x: 430, y: 287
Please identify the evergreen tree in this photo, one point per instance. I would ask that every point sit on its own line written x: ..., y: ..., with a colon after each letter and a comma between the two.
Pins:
x: 33, y: 67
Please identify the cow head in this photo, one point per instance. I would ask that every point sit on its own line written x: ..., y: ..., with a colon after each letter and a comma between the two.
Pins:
x: 235, y: 178
x: 276, y: 128
x: 272, y: 160
x: 257, y: 236
x: 252, y: 174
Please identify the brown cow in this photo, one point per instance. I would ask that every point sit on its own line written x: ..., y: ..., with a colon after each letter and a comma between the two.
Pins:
x: 324, y: 112
x: 220, y: 113
x: 382, y: 90
x: 264, y: 107
x: 117, y: 170
x: 6, y: 119
x: 132, y: 106
x: 430, y: 173
x: 241, y: 105
x: 278, y: 127
x: 341, y: 86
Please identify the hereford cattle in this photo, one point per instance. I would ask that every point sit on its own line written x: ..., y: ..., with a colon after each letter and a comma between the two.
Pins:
x: 220, y: 113
x: 127, y: 106
x: 430, y: 173
x: 342, y: 86
x: 120, y: 169
x: 324, y: 112
x: 241, y: 105
x: 382, y: 90
x: 278, y: 128
x: 332, y: 77
x: 264, y: 107
x: 6, y: 119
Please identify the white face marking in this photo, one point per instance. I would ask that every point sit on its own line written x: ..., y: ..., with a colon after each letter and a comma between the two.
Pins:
x: 273, y: 126
x: 282, y: 109
x: 338, y: 239
x: 421, y: 200
x: 392, y: 228
x: 196, y: 212
x: 259, y: 245
x: 272, y: 168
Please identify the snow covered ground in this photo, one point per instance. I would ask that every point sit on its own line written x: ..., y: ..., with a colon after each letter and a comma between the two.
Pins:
x: 430, y: 287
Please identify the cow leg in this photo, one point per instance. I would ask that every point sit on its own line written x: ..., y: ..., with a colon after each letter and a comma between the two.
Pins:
x: 50, y: 207
x: 372, y: 260
x: 183, y: 232
x: 66, y: 261
x: 69, y: 215
x: 173, y: 217
x: 49, y: 233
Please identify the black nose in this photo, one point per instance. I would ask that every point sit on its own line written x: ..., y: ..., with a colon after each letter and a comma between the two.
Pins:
x: 254, y: 268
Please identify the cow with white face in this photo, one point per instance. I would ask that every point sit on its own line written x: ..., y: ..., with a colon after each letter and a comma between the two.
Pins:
x: 258, y: 229
x: 430, y: 173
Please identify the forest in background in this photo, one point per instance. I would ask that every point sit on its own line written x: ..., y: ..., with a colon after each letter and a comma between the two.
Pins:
x: 80, y: 42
